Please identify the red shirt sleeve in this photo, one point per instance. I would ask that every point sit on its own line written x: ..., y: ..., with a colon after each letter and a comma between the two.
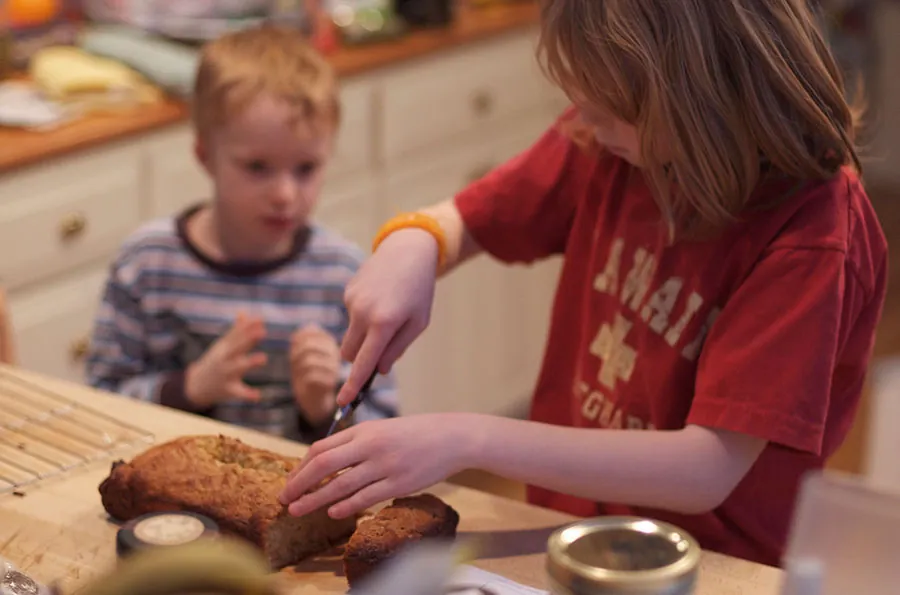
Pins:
x: 769, y: 363
x: 522, y: 211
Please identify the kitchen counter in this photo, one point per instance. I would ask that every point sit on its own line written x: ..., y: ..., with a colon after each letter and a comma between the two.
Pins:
x: 20, y: 148
x: 56, y: 528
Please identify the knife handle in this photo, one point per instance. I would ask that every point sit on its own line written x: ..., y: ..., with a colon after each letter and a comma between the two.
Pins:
x: 350, y: 407
x: 363, y: 392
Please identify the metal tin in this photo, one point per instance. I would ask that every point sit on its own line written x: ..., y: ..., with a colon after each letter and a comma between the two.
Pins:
x: 622, y: 556
x: 163, y: 529
x: 15, y: 582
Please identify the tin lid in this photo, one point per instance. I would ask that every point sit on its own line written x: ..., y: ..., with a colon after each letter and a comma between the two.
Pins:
x: 160, y: 529
x: 622, y: 555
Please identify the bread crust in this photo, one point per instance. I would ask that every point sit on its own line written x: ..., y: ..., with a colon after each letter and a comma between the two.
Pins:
x: 235, y: 484
x: 404, y: 521
x: 238, y: 485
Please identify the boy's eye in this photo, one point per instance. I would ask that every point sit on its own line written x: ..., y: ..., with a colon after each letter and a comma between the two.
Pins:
x: 307, y: 168
x: 256, y: 166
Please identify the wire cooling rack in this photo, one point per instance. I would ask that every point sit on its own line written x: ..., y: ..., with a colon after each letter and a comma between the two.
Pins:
x: 44, y: 433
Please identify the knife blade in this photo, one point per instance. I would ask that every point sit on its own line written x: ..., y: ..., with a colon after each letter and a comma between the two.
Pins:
x: 350, y: 407
x: 422, y: 568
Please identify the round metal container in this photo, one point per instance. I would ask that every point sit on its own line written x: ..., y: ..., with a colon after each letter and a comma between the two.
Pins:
x: 622, y: 556
x: 162, y: 529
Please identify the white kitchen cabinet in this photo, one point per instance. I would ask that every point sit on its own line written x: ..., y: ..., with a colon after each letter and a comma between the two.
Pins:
x: 441, y: 99
x: 54, y: 219
x: 410, y: 135
x: 435, y: 175
x: 353, y: 208
x: 53, y: 322
x: 354, y: 150
x: 173, y: 177
x: 481, y: 349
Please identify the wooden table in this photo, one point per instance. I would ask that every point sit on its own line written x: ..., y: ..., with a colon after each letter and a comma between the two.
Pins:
x: 56, y: 529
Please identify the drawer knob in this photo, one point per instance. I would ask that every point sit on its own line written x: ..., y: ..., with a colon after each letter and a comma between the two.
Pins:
x: 478, y: 173
x: 482, y: 103
x: 73, y: 226
x: 78, y: 350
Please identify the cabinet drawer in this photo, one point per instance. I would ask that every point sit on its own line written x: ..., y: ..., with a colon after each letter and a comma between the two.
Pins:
x: 63, y: 218
x: 436, y: 175
x: 53, y: 323
x: 436, y: 100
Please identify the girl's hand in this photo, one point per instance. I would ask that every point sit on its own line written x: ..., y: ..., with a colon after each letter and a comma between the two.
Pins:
x: 389, y: 302
x: 380, y: 460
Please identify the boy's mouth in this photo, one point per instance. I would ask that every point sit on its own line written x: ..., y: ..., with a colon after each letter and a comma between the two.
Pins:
x: 278, y: 223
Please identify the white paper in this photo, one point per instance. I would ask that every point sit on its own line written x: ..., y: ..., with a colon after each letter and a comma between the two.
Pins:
x: 22, y: 105
x: 469, y: 580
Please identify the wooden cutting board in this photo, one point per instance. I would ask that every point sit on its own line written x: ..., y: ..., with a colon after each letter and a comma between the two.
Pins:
x: 56, y: 529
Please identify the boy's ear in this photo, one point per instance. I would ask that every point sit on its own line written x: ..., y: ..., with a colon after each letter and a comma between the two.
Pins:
x: 201, y: 152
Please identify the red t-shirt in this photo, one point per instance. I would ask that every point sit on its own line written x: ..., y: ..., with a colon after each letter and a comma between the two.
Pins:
x: 766, y: 330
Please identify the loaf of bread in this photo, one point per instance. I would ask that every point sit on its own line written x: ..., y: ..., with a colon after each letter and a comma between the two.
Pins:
x: 229, y: 481
x: 405, y: 521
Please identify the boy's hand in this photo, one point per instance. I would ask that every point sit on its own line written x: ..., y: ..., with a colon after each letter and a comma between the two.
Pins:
x: 315, y: 370
x: 218, y: 375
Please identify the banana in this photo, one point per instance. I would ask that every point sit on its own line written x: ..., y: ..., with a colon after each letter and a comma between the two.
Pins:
x: 219, y: 565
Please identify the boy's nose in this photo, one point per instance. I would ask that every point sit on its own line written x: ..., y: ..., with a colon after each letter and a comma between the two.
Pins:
x: 285, y: 192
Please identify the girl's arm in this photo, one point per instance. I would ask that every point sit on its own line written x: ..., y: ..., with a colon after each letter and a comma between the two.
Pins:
x: 461, y: 246
x: 389, y: 299
x: 520, y: 212
x: 689, y: 471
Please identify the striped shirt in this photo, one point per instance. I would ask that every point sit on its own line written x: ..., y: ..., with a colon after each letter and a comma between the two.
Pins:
x: 165, y: 303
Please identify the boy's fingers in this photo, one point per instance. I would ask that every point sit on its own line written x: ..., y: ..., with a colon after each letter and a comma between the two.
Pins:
x: 243, y: 392
x: 250, y: 361
x: 246, y: 336
x: 235, y: 331
x: 315, y: 350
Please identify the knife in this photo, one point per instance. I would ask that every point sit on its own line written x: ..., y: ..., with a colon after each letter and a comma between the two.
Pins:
x: 422, y: 568
x: 350, y: 407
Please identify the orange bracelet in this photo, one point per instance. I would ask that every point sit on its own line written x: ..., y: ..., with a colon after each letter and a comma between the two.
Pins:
x: 418, y: 221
